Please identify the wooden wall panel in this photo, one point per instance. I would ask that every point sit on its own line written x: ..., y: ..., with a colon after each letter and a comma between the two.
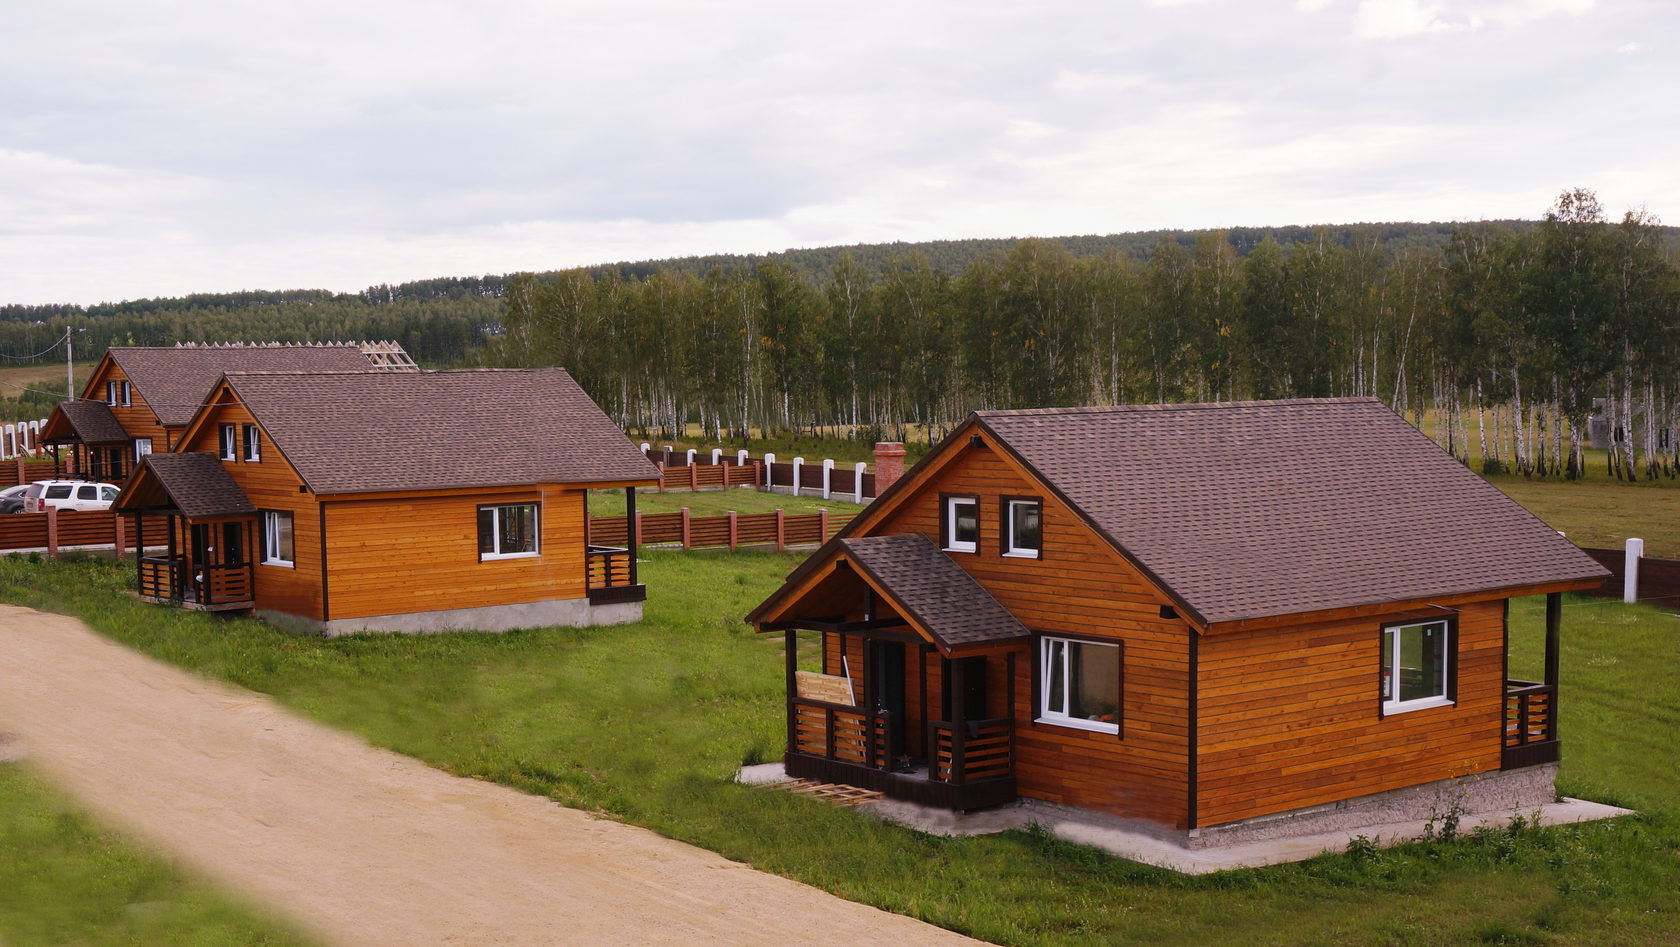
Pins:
x: 1290, y: 717
x: 420, y: 553
x: 137, y: 418
x: 1080, y: 587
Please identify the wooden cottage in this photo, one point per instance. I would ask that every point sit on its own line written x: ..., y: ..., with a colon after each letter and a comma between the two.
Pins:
x: 1193, y: 614
x: 415, y: 501
x: 140, y: 398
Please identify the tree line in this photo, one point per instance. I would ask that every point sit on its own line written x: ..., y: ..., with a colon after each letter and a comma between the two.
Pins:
x: 1500, y: 335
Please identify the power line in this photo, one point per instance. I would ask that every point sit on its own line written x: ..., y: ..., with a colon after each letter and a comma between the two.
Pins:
x: 25, y: 358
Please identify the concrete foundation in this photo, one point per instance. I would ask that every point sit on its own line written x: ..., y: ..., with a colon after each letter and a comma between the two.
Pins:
x: 575, y: 612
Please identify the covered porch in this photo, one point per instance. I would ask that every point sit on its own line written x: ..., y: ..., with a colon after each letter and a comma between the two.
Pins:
x: 610, y: 557
x: 1530, y: 732
x: 87, y: 442
x: 917, y: 668
x: 210, y: 540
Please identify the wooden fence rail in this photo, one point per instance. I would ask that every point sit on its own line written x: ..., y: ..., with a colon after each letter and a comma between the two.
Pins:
x: 776, y: 528
x: 1659, y: 579
x: 56, y: 528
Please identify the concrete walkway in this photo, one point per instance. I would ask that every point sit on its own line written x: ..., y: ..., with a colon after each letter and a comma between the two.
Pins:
x: 1153, y: 844
x: 363, y: 846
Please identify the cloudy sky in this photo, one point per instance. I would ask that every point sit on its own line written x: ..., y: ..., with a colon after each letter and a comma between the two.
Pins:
x: 161, y: 148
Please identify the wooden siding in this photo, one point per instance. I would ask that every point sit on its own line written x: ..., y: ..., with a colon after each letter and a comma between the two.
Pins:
x: 137, y: 418
x: 1080, y: 587
x: 420, y: 553
x: 1291, y: 717
x: 272, y: 484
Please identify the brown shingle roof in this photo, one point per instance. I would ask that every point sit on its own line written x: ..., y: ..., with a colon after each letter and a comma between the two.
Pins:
x: 935, y: 592
x: 93, y: 422
x: 197, y: 484
x: 1259, y: 509
x: 363, y: 432
x: 173, y: 380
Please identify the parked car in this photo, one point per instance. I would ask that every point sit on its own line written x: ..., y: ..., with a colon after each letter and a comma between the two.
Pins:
x: 11, y: 498
x: 68, y: 495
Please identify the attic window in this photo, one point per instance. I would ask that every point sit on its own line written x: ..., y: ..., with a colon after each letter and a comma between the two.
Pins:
x: 230, y: 442
x: 962, y: 523
x: 1023, y: 527
x: 253, y: 443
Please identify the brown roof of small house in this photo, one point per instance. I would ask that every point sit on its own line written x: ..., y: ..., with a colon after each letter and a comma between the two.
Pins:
x: 936, y: 593
x: 174, y: 380
x: 197, y: 484
x: 93, y: 422
x: 365, y: 432
x: 1259, y: 509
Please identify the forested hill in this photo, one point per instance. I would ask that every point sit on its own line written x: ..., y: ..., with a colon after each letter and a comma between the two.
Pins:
x: 446, y: 321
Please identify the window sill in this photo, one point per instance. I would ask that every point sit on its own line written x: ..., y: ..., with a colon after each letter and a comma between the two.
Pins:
x: 489, y: 556
x: 1077, y: 723
x: 1422, y: 703
x: 279, y: 563
x: 1021, y: 554
x: 959, y: 549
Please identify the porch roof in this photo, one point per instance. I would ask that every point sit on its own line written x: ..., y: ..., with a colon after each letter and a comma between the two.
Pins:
x: 938, y: 596
x: 90, y: 422
x: 195, y: 484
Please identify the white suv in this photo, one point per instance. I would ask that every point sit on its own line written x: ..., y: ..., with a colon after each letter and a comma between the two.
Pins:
x: 68, y: 495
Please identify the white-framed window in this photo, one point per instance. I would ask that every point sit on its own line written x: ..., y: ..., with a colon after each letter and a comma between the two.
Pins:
x: 278, y: 548
x: 230, y: 442
x: 253, y: 443
x: 142, y: 447
x: 1023, y: 528
x: 127, y: 394
x: 962, y: 523
x: 111, y: 393
x: 508, y: 531
x: 1417, y: 666
x: 1079, y: 683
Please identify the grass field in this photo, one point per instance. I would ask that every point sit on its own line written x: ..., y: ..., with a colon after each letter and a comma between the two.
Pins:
x: 649, y: 722
x: 66, y: 880
x: 714, y: 502
x: 1604, y: 513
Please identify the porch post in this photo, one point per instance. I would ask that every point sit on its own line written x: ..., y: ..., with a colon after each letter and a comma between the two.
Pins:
x: 630, y: 528
x: 1554, y: 621
x: 139, y: 549
x: 959, y: 719
x: 177, y: 574
x: 790, y: 642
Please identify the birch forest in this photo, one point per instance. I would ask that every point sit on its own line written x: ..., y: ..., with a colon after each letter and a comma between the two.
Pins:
x: 1500, y: 344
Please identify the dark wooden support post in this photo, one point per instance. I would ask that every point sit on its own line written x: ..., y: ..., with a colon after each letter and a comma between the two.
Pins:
x: 1554, y: 623
x: 630, y: 529
x: 959, y: 719
x: 176, y: 576
x: 790, y: 639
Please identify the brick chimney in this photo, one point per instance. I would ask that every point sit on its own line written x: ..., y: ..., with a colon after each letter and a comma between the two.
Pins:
x: 889, y: 465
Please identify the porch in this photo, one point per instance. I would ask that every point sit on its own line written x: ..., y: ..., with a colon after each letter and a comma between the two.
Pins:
x: 210, y: 539
x: 1529, y: 731
x: 610, y: 571
x: 171, y: 579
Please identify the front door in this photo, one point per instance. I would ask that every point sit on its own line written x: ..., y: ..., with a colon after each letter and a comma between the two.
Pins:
x: 886, y: 689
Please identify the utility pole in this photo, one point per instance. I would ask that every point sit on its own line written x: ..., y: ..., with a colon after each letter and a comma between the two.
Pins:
x: 69, y: 372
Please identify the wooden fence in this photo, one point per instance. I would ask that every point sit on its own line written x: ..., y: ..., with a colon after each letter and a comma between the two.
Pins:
x: 730, y: 530
x: 14, y: 472
x: 697, y: 470
x: 1659, y: 579
x: 56, y: 529
x: 19, y: 438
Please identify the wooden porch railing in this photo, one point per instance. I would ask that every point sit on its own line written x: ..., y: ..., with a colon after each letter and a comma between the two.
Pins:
x: 977, y: 751
x: 842, y: 733
x: 609, y: 566
x: 225, y: 585
x: 1530, y: 715
x: 165, y: 578
x: 160, y: 577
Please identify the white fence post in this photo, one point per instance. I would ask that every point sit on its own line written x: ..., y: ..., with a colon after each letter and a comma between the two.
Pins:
x: 741, y: 457
x: 770, y: 471
x: 798, y: 462
x: 857, y: 482
x: 691, y: 457
x: 646, y: 447
x: 828, y: 476
x: 1630, y: 570
x: 717, y: 454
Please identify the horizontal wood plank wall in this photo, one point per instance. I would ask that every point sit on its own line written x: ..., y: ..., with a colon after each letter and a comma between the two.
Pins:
x: 137, y: 418
x: 1080, y: 587
x: 271, y: 484
x: 1289, y: 717
x: 404, y: 554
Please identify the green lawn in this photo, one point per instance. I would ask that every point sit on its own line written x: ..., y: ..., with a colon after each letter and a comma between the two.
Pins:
x: 66, y: 880
x: 715, y: 502
x: 1604, y: 513
x: 649, y: 722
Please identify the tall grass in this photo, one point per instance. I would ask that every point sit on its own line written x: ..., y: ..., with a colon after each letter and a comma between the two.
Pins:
x: 648, y: 723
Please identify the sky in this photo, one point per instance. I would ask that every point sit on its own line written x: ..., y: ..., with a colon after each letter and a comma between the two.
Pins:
x: 163, y: 148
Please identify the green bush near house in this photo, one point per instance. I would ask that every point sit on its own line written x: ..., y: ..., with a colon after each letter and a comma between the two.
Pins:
x: 649, y: 722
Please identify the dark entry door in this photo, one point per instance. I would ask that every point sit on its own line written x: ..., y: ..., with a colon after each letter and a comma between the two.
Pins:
x: 886, y: 688
x: 197, y: 568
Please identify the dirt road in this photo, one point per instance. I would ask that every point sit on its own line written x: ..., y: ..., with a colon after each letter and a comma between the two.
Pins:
x: 364, y: 846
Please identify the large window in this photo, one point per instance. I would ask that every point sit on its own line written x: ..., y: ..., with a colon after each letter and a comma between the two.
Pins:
x: 1417, y: 666
x: 253, y: 443
x: 962, y: 524
x: 1079, y: 684
x: 506, y: 532
x: 230, y: 442
x: 1023, y: 528
x: 277, y: 539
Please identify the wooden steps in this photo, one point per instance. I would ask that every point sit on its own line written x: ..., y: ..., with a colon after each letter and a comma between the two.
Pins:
x: 827, y: 792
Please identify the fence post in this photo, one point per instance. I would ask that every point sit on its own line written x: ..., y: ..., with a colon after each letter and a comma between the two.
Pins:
x: 732, y: 534
x: 661, y: 465
x: 741, y: 457
x: 52, y: 531
x: 716, y: 453
x: 122, y: 533
x: 685, y: 534
x: 1630, y: 576
x: 645, y: 448
x: 781, y: 530
x: 822, y: 526
x: 769, y: 472
x: 690, y: 456
x: 798, y: 480
x: 693, y: 472
x: 828, y: 475
x: 638, y: 527
x: 726, y: 469
x: 857, y: 482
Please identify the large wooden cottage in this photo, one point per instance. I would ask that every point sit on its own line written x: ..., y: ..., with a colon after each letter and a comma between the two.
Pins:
x: 140, y: 398
x: 1192, y: 614
x: 414, y: 501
